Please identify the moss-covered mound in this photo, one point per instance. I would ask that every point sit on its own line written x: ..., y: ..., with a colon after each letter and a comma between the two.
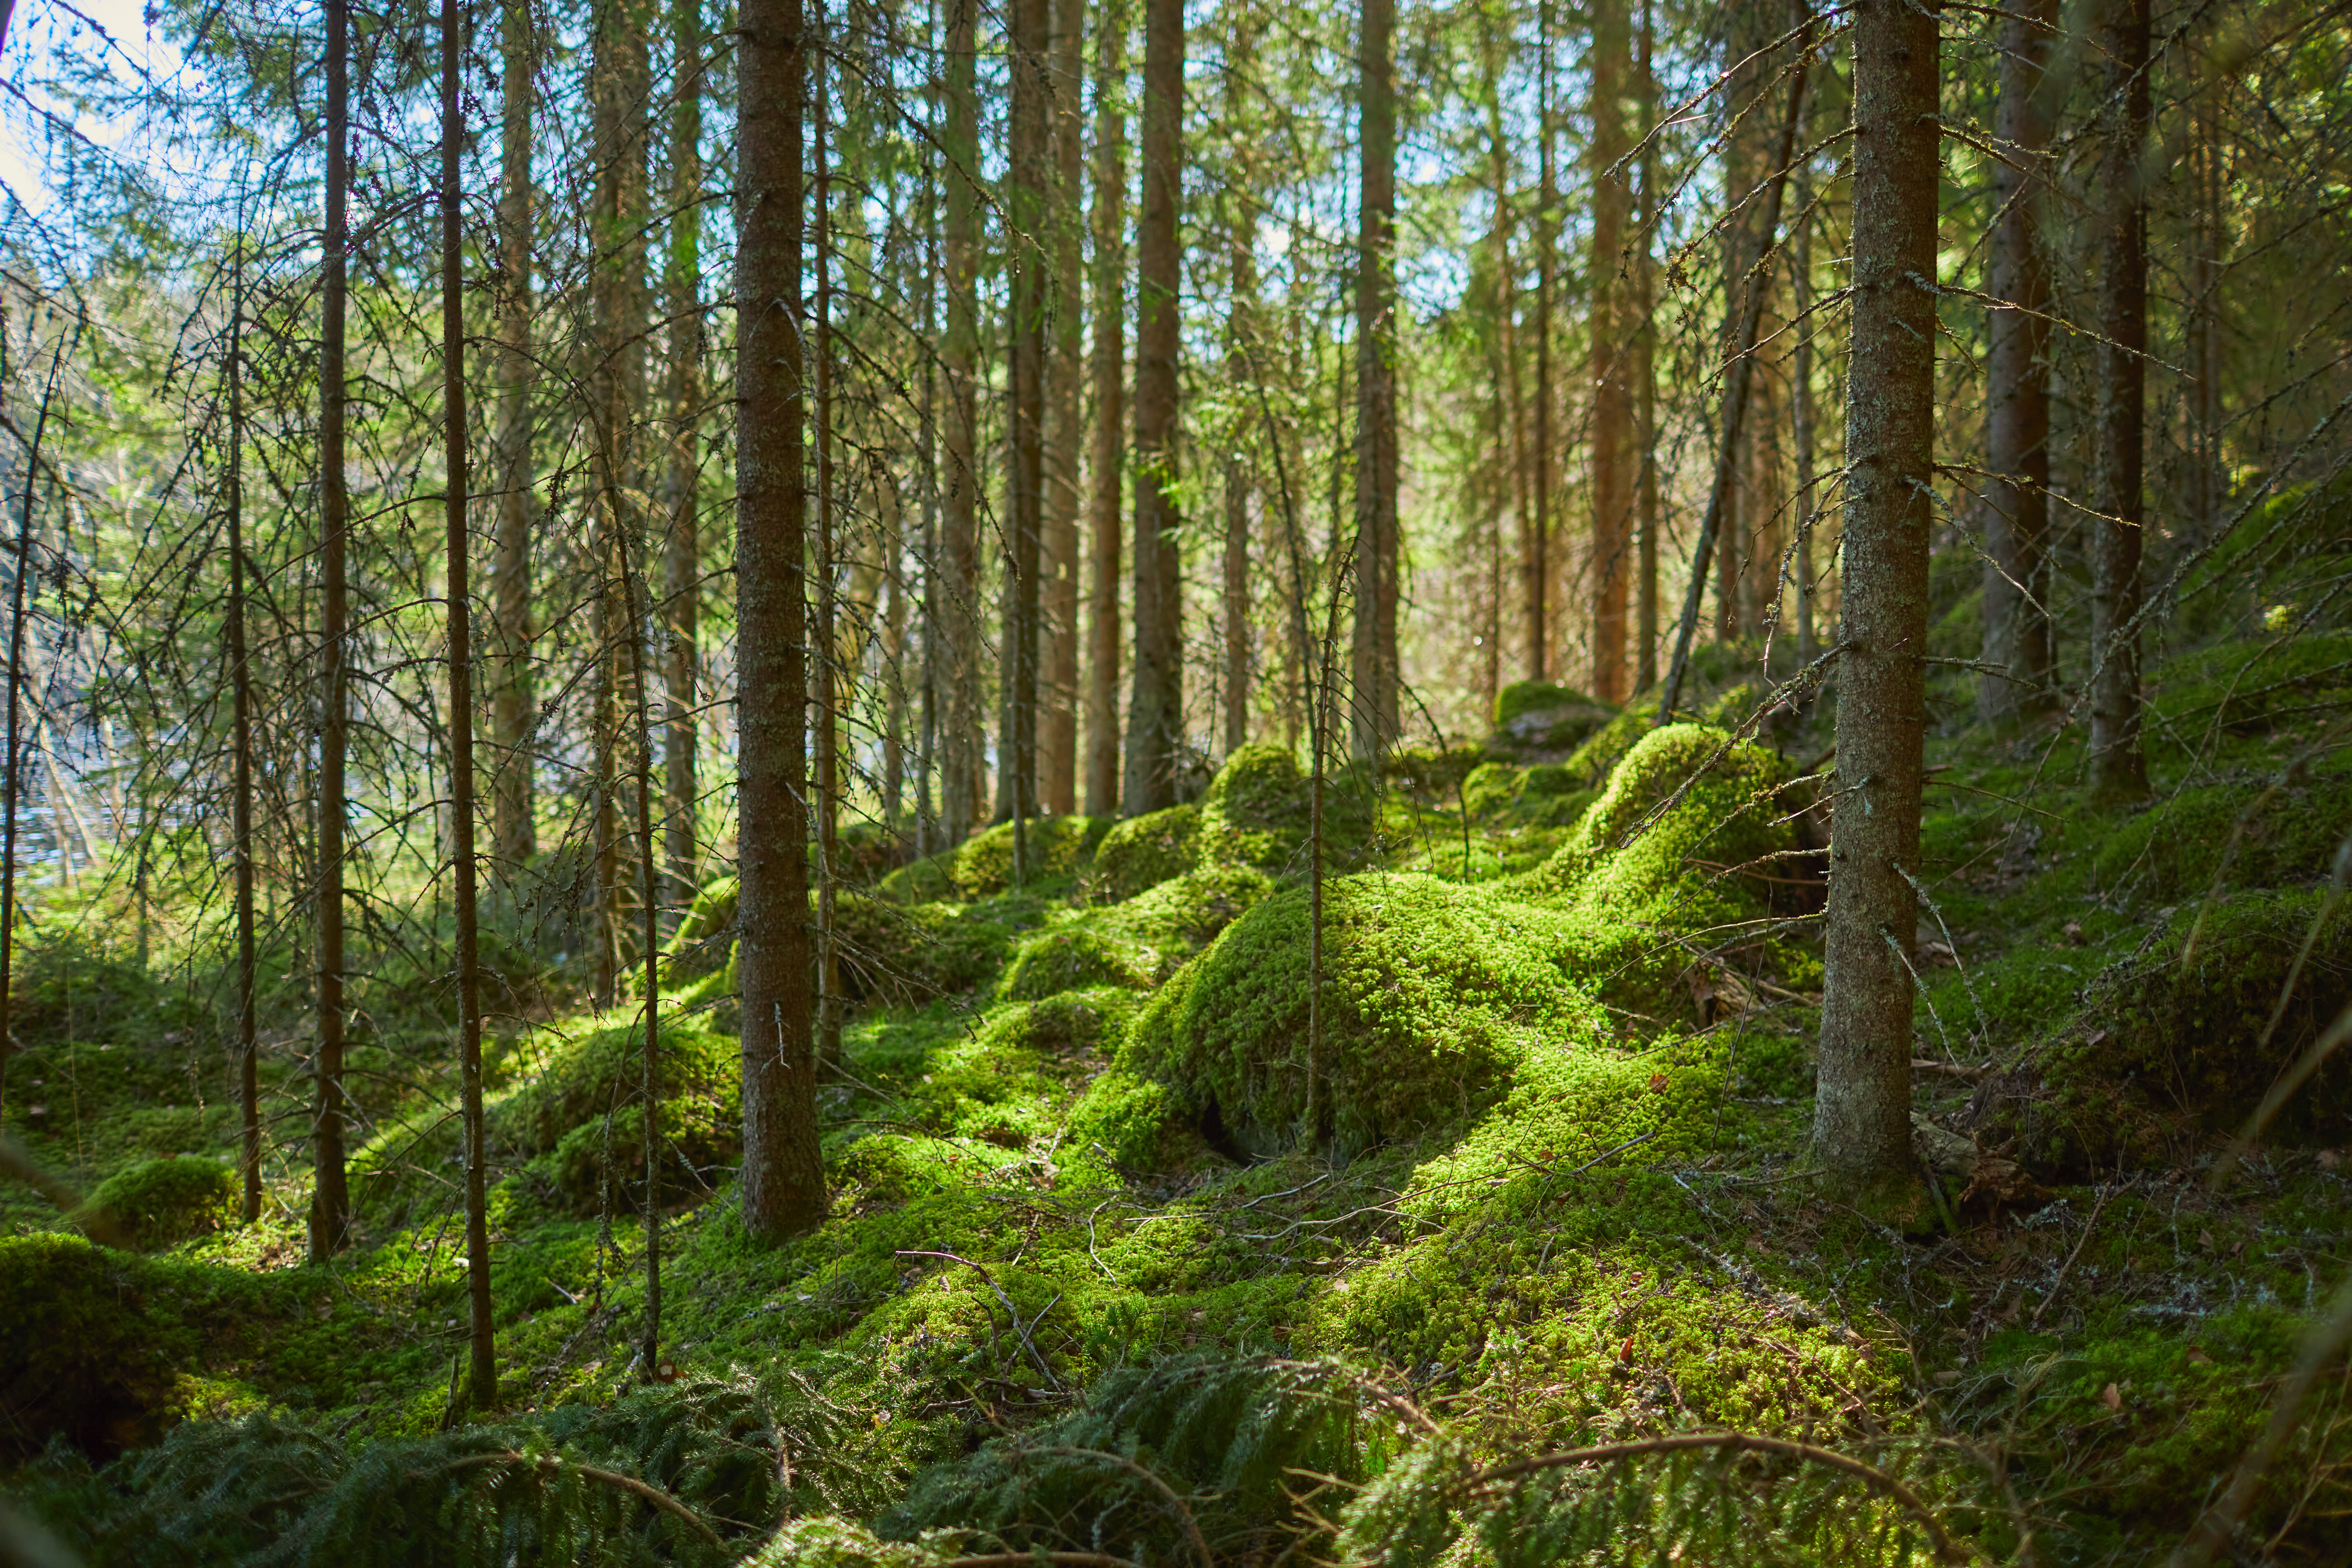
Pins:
x: 2175, y: 1043
x: 1538, y: 715
x: 602, y: 1069
x: 1136, y: 944
x: 1144, y: 851
x: 1432, y: 994
x: 78, y: 1358
x: 157, y: 1203
x: 906, y: 955
x: 1055, y: 849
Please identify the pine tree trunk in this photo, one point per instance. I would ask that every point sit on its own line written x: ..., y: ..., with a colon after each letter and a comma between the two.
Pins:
x: 330, y: 1204
x: 2017, y: 392
x: 1373, y: 666
x: 1614, y: 457
x: 1801, y: 398
x: 830, y: 674
x: 1027, y: 211
x: 482, y: 1380
x: 514, y: 837
x: 1645, y: 380
x: 783, y: 1177
x: 1106, y: 460
x: 682, y: 590
x: 1058, y: 722
x: 1155, y: 721
x: 961, y: 802
x: 1241, y: 373
x: 1535, y: 524
x: 2118, y: 766
x: 249, y: 1080
x: 1861, y: 1126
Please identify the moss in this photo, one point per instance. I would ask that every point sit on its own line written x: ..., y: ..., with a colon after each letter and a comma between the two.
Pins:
x: 159, y: 1203
x: 905, y: 955
x: 706, y: 936
x: 1143, y: 851
x: 2241, y: 837
x: 1539, y: 714
x: 700, y: 1139
x: 81, y: 1359
x: 1136, y: 944
x: 1057, y: 848
x: 1491, y: 790
x: 601, y: 1068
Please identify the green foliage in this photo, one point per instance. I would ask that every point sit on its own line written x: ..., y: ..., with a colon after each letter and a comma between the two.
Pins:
x: 1144, y: 851
x: 79, y: 1359
x: 1059, y: 848
x: 1536, y: 713
x: 905, y: 955
x: 2224, y: 834
x: 706, y: 936
x: 601, y: 1068
x: 157, y: 1203
x: 1137, y: 943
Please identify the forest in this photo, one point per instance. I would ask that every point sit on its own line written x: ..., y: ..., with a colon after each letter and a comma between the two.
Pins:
x: 963, y: 784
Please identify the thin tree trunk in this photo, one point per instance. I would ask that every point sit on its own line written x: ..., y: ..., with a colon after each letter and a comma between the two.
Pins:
x: 639, y: 590
x: 1534, y: 528
x: 784, y: 1176
x: 482, y: 1381
x: 1862, y: 1123
x: 1058, y: 731
x: 2118, y: 766
x: 2017, y: 392
x: 1614, y: 457
x: 1155, y: 722
x: 1737, y: 378
x: 514, y: 837
x: 682, y: 591
x: 927, y: 822
x: 11, y: 792
x: 240, y: 675
x: 330, y: 1204
x: 959, y: 356
x: 1373, y: 667
x: 1029, y: 210
x: 1106, y: 460
x: 1509, y: 478
x: 827, y: 641
x: 1800, y: 268
x: 1241, y: 329
x: 1646, y: 379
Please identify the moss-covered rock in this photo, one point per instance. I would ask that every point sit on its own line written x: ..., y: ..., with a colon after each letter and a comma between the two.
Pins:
x: 2225, y: 836
x: 1492, y: 789
x: 602, y: 1069
x: 699, y: 1140
x: 1055, y: 849
x: 1432, y: 994
x: 158, y: 1202
x: 1540, y: 716
x: 79, y: 1358
x: 1136, y: 944
x: 904, y: 955
x: 705, y: 937
x: 1143, y: 851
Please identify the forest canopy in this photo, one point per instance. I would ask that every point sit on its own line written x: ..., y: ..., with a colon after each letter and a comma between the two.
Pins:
x: 909, y: 785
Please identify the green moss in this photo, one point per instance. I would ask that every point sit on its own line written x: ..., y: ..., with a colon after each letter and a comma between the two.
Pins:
x: 904, y: 955
x: 80, y: 1358
x: 1143, y: 851
x: 1491, y: 790
x: 601, y: 1068
x: 706, y: 936
x: 158, y: 1202
x: 1057, y: 848
x: 2239, y: 836
x: 1136, y: 944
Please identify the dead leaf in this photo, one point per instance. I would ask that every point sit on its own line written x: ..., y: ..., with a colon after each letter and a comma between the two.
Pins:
x: 1657, y: 1083
x: 2113, y: 1398
x: 1937, y: 953
x: 2196, y: 1356
x: 2075, y: 933
x: 2205, y: 1239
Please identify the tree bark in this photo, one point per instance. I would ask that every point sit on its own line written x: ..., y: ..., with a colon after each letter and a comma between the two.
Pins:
x: 961, y: 802
x: 1534, y: 522
x: 513, y: 715
x: 783, y: 1177
x: 1645, y: 380
x: 1801, y: 375
x: 2118, y: 766
x: 1373, y: 666
x: 682, y: 591
x: 1155, y: 718
x: 1614, y: 455
x: 1058, y: 681
x: 2017, y: 392
x: 330, y: 1204
x: 240, y: 674
x: 1028, y: 211
x: 482, y: 1380
x: 1862, y: 1123
x: 832, y: 672
x: 1106, y: 460
x: 1241, y: 372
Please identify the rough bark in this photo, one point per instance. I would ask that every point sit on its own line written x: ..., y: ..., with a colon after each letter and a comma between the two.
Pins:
x: 482, y: 1375
x: 682, y: 590
x: 960, y: 802
x: 330, y: 1204
x: 2017, y: 388
x: 513, y: 707
x: 1155, y: 715
x: 1373, y: 662
x: 1106, y: 460
x: 1535, y: 520
x: 1645, y: 382
x: 783, y: 1177
x: 2118, y: 766
x: 1058, y: 735
x: 240, y: 675
x: 1027, y: 214
x: 1241, y: 372
x: 1861, y: 1124
x: 1614, y: 455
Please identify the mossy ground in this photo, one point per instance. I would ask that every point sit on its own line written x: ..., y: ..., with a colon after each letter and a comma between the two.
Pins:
x: 1546, y: 1193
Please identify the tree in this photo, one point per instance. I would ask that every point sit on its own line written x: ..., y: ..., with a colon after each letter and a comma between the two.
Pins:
x: 1535, y: 524
x: 1862, y: 1123
x: 1614, y: 457
x: 2118, y: 766
x: 1106, y: 458
x: 482, y: 1377
x: 1155, y: 715
x: 1374, y: 661
x: 331, y: 1202
x: 1241, y: 327
x: 959, y: 792
x: 682, y: 592
x: 513, y: 835
x: 1057, y: 785
x: 1027, y: 213
x: 2017, y: 387
x: 783, y: 1177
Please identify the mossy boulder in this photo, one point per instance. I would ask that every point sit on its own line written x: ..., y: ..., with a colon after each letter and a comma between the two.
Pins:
x: 1055, y: 849
x: 705, y: 936
x: 2169, y: 1051
x: 2226, y: 836
x: 79, y: 1358
x: 1143, y: 851
x: 1538, y: 715
x: 1136, y: 944
x: 158, y: 1202
x: 698, y: 1141
x: 1492, y: 789
x: 601, y: 1068
x: 904, y: 955
x: 1431, y: 993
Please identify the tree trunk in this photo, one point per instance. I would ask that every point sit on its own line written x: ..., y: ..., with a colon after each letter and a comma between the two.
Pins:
x: 961, y: 802
x: 682, y: 591
x: 832, y: 674
x: 1028, y: 211
x: 331, y: 1202
x: 2017, y: 391
x: 240, y: 674
x: 1534, y: 522
x: 1241, y: 372
x: 1058, y: 722
x: 1614, y: 455
x: 784, y: 1176
x: 1645, y: 380
x: 1155, y: 719
x: 1106, y: 460
x: 2118, y: 767
x: 1861, y: 1124
x: 514, y: 836
x: 1801, y: 375
x: 482, y: 1380
x: 1373, y: 667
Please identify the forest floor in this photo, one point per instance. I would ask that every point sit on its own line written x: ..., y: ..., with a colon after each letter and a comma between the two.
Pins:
x: 1123, y: 1258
